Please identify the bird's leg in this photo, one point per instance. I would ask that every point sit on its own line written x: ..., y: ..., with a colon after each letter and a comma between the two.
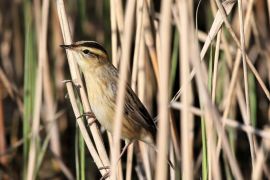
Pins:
x: 121, y: 154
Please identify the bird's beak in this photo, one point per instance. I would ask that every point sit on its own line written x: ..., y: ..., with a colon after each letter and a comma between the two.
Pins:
x: 71, y: 46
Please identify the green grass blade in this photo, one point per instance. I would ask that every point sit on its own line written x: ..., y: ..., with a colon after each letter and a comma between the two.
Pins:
x: 30, y: 56
x: 82, y: 156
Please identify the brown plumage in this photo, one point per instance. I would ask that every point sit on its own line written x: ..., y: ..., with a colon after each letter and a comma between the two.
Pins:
x: 101, y: 79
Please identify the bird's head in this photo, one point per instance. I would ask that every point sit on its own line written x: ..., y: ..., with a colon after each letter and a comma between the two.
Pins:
x: 90, y: 54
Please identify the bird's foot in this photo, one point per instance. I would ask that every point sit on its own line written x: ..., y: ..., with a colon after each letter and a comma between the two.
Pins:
x: 74, y: 83
x: 90, y: 116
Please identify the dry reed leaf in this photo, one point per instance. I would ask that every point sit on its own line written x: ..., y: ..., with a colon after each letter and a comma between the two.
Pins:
x: 216, y: 25
x: 228, y: 122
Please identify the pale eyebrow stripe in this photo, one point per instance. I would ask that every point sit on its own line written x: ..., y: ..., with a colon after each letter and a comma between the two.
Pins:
x: 98, y: 51
x: 94, y: 45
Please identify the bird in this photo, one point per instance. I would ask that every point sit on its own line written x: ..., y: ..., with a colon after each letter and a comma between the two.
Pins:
x: 101, y: 79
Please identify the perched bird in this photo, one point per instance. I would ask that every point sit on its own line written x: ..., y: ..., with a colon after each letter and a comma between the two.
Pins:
x: 101, y: 79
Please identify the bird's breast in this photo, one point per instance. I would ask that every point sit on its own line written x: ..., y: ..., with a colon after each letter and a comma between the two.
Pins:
x: 102, y: 92
x: 101, y: 99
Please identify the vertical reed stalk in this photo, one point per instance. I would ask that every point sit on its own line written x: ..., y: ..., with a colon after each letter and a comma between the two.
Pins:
x: 126, y: 44
x: 163, y: 98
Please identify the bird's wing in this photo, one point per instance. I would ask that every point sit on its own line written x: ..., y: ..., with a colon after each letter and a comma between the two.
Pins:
x: 137, y: 112
x: 133, y: 108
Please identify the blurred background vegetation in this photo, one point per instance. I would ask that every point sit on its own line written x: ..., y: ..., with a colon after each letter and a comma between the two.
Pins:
x: 61, y: 152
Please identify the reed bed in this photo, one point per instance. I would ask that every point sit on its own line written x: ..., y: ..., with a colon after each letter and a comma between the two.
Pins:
x: 201, y: 68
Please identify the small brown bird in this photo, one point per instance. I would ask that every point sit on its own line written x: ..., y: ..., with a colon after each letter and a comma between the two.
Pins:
x: 101, y: 79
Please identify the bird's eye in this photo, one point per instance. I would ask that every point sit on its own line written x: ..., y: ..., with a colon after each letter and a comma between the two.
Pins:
x: 86, y: 51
